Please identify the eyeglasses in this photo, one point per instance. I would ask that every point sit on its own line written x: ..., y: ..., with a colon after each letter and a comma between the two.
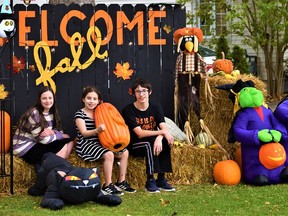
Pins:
x: 144, y: 91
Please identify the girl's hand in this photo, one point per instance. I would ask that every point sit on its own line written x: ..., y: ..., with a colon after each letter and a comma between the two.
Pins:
x: 46, y: 132
x: 66, y: 136
x: 100, y: 128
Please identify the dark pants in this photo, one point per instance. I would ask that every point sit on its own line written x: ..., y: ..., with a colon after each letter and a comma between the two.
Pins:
x: 188, y: 97
x: 35, y: 154
x: 154, y: 164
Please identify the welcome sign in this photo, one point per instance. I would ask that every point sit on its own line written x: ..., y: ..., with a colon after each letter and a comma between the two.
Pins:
x: 69, y: 47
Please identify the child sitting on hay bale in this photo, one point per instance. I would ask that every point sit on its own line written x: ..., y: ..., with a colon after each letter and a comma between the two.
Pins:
x: 143, y: 119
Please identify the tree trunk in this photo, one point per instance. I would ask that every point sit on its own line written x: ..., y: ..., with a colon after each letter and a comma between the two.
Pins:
x: 68, y: 2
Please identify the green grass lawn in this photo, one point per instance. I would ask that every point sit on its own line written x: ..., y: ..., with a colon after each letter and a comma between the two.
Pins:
x: 196, y: 200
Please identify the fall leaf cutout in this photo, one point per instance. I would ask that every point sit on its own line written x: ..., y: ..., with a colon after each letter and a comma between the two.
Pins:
x: 3, y: 93
x: 167, y: 29
x: 123, y: 71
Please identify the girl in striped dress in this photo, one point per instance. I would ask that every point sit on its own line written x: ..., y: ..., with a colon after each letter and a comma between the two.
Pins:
x: 89, y: 148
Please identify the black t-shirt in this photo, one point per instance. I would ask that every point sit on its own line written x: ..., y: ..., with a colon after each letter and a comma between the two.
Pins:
x: 147, y: 120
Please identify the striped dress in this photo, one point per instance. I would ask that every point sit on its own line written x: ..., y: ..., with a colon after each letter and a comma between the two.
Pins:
x: 88, y: 148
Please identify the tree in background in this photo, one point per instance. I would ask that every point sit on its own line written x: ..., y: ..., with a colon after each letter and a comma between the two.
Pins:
x: 239, y: 59
x: 261, y: 23
x: 222, y: 46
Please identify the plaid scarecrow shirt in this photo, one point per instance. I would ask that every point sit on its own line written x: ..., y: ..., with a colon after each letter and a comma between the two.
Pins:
x: 185, y: 64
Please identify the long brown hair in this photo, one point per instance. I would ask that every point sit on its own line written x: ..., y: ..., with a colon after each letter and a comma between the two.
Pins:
x: 24, y: 119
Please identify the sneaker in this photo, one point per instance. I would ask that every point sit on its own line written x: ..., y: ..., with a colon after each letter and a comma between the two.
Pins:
x: 124, y: 186
x: 151, y: 186
x: 164, y: 185
x: 111, y: 190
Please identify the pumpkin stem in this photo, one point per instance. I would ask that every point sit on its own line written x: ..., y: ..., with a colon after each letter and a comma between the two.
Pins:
x: 223, y: 55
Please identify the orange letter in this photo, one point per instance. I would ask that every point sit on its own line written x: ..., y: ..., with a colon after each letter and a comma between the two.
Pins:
x: 109, y: 25
x: 138, y: 19
x: 152, y: 29
x: 65, y: 21
x: 23, y: 29
x: 44, y: 30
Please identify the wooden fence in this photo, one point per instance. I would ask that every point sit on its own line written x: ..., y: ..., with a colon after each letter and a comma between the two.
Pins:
x: 72, y: 46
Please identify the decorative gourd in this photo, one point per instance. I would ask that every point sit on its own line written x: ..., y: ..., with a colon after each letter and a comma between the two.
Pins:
x: 223, y: 64
x: 174, y: 130
x: 203, y: 140
x: 238, y: 157
x: 272, y: 155
x: 116, y: 136
x: 227, y: 172
x: 4, y: 131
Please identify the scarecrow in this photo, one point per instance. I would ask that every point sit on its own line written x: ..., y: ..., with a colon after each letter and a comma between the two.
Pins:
x: 190, y: 67
x: 59, y: 182
x: 261, y: 135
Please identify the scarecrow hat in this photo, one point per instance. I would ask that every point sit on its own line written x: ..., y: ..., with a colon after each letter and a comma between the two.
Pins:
x: 186, y: 31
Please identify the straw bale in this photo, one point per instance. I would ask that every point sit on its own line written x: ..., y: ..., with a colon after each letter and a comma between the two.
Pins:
x: 190, y: 165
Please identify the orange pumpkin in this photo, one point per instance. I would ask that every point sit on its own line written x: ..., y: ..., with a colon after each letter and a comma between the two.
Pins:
x: 116, y: 135
x: 238, y: 157
x: 272, y: 155
x: 227, y: 172
x: 4, y: 131
x: 223, y: 64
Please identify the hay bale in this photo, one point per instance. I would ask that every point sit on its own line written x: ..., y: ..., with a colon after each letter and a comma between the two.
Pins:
x: 190, y: 165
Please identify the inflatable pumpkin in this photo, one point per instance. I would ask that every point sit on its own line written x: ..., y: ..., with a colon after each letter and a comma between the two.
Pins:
x: 227, y: 172
x: 4, y: 131
x: 116, y: 135
x: 223, y: 64
x: 272, y: 155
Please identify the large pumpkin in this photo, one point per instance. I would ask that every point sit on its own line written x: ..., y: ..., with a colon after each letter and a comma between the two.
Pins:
x: 272, y: 155
x: 223, y: 64
x: 4, y: 132
x: 116, y: 136
x: 227, y: 172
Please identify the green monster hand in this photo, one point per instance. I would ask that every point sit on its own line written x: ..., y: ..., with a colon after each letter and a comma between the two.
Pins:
x: 264, y: 135
x: 276, y: 135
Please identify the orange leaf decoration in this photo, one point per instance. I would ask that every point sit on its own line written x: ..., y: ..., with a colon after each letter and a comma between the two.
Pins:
x: 123, y: 71
x: 18, y: 64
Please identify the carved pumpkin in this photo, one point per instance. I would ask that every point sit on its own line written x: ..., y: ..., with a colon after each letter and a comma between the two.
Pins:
x: 223, y: 64
x: 227, y: 172
x: 272, y: 155
x: 4, y: 132
x: 116, y: 135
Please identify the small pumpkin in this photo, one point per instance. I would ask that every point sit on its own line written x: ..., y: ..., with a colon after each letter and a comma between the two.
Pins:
x: 227, y: 172
x: 5, y: 122
x: 116, y: 135
x: 203, y: 140
x: 223, y: 64
x: 272, y: 155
